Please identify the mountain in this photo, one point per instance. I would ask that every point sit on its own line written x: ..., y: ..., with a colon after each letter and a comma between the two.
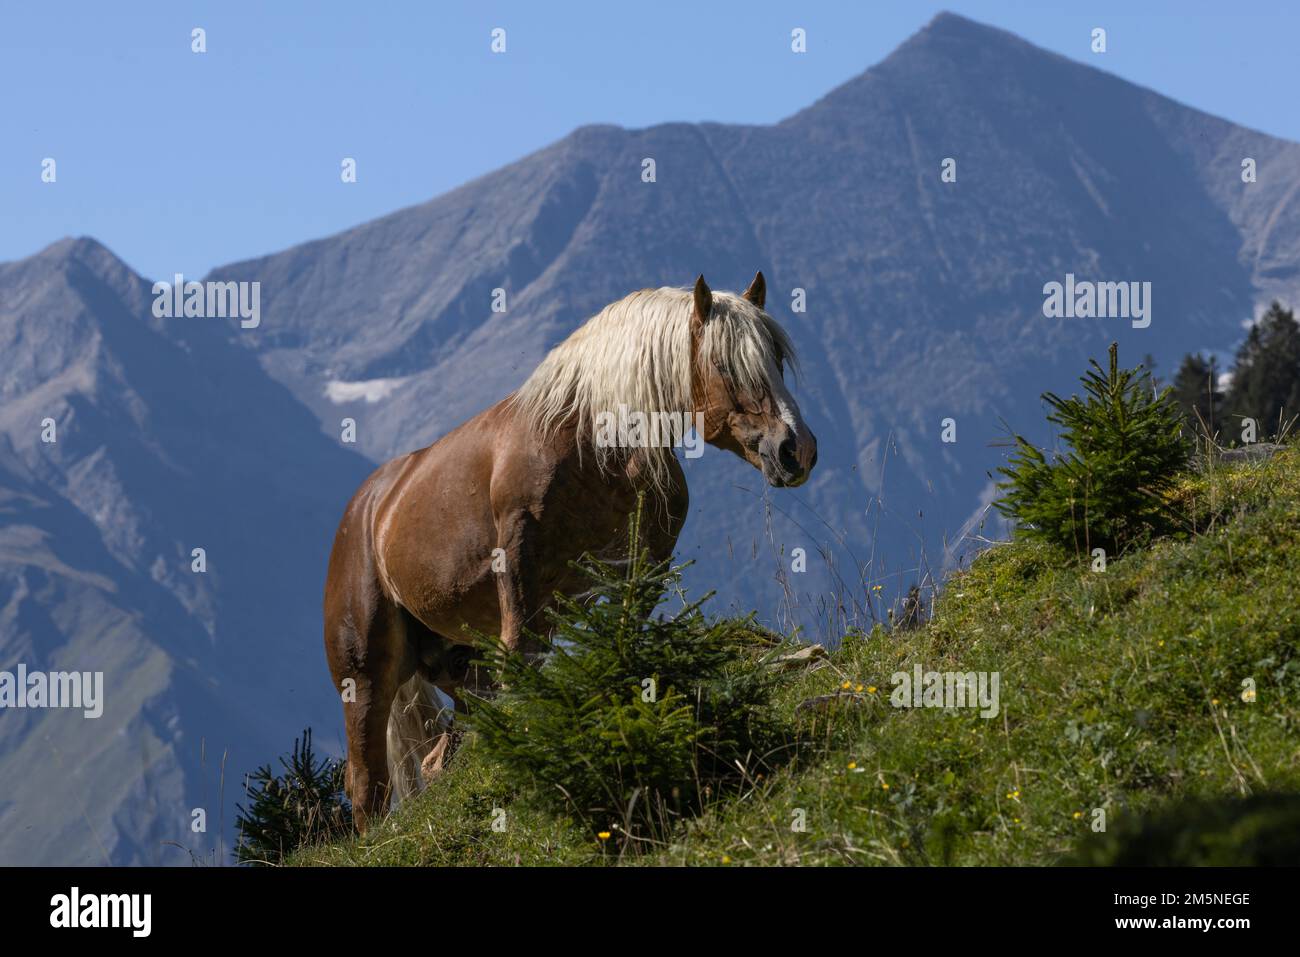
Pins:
x: 924, y: 297
x: 925, y: 302
x: 167, y: 439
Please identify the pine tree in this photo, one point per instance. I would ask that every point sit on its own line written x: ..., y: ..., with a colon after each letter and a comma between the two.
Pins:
x: 633, y: 719
x: 305, y: 805
x: 1266, y: 374
x: 1197, y: 394
x: 1108, y: 489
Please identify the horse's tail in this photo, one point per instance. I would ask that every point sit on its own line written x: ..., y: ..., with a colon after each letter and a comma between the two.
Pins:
x: 416, y: 721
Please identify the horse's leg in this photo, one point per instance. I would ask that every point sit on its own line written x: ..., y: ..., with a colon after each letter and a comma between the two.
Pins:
x: 366, y: 646
x: 456, y: 674
x: 517, y: 584
x: 367, y: 727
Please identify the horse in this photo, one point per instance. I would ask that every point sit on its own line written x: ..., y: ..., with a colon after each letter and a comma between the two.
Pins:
x: 475, y: 534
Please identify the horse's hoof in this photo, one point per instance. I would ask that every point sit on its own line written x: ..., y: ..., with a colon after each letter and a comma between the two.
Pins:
x: 436, y: 759
x: 431, y: 767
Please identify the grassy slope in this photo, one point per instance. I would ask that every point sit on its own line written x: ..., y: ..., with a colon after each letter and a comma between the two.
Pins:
x: 1119, y: 690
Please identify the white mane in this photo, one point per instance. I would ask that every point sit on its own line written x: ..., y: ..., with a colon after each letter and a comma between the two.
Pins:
x: 636, y: 353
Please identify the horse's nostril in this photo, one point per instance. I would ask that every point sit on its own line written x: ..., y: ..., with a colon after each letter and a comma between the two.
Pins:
x: 787, y: 456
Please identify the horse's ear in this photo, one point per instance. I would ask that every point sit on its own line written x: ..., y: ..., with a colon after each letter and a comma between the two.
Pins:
x: 703, y: 299
x: 757, y: 291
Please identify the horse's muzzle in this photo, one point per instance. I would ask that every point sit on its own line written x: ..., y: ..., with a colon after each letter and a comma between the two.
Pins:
x: 792, y: 462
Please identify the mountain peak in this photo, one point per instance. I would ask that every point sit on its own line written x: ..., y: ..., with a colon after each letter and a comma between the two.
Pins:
x: 945, y: 21
x: 949, y: 33
x: 74, y: 247
x: 84, y: 251
x: 950, y: 52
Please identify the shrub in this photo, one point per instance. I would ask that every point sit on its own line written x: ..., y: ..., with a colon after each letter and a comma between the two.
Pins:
x: 305, y: 805
x: 632, y: 720
x: 1110, y: 488
x: 1260, y: 831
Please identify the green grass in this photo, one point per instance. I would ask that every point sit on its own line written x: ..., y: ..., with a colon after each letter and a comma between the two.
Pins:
x: 1120, y: 691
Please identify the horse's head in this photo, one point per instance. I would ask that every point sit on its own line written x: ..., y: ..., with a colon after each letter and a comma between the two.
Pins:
x: 740, y: 354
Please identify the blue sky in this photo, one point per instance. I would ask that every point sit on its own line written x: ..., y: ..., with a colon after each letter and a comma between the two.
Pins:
x: 181, y: 162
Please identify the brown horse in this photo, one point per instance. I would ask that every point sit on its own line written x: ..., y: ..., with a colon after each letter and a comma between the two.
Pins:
x: 476, y: 532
